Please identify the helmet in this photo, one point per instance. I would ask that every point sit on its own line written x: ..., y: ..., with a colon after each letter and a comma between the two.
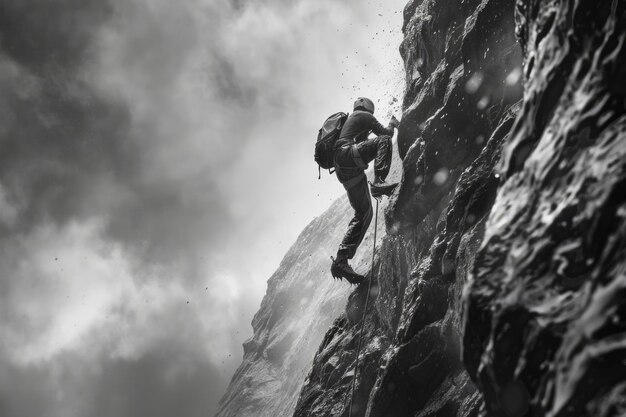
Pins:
x: 363, y: 103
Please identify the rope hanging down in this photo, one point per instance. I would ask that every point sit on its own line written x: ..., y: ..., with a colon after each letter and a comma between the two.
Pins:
x: 367, y: 296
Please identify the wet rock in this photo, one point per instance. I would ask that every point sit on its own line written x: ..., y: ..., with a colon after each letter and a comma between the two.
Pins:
x: 544, y: 320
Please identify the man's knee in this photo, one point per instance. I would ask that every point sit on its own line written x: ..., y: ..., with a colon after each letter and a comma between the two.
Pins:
x: 368, y: 149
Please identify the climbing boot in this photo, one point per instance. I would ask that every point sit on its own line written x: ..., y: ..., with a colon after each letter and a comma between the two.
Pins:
x: 341, y: 269
x: 380, y: 188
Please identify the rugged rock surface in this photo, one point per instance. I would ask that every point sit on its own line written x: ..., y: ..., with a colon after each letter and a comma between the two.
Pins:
x: 546, y: 307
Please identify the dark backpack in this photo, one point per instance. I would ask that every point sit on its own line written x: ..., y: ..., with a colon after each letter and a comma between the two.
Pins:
x: 326, y: 138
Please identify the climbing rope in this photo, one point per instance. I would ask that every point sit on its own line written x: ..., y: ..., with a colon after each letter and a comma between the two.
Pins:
x: 367, y: 297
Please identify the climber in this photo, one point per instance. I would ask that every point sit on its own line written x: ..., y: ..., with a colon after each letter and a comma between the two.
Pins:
x: 353, y: 151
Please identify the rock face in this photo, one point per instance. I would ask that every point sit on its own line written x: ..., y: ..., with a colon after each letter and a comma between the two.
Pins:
x: 499, y: 286
x: 546, y: 305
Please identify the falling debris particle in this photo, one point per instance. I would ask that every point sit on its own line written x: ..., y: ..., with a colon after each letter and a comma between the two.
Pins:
x: 473, y: 84
x: 514, y: 76
x: 483, y: 103
x: 441, y: 176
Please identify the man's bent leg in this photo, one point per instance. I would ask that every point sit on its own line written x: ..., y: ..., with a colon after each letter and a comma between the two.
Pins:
x: 361, y: 202
x: 383, y: 158
x: 380, y: 150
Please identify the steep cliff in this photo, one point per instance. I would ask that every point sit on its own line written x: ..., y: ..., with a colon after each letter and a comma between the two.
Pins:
x: 546, y: 304
x: 500, y: 282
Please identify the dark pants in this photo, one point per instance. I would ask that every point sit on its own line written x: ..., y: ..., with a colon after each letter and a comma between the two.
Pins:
x: 350, y: 163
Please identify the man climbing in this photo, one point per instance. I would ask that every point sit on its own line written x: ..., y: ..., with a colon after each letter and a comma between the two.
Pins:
x: 353, y: 151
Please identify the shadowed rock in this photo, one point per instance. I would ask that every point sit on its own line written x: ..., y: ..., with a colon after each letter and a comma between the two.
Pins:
x: 545, y: 309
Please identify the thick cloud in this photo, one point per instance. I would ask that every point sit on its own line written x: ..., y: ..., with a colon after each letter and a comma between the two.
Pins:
x: 152, y: 385
x: 155, y: 163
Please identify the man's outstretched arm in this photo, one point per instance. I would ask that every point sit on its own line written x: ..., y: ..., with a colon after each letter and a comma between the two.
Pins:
x: 379, y: 129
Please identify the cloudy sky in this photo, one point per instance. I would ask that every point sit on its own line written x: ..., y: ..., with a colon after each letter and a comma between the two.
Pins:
x: 155, y: 165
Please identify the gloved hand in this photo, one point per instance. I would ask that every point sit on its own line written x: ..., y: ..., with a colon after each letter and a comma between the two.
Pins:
x: 394, y: 122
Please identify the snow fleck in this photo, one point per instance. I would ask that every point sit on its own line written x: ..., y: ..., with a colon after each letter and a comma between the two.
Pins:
x: 473, y: 84
x: 441, y: 176
x: 374, y: 291
x: 514, y: 76
x: 483, y: 103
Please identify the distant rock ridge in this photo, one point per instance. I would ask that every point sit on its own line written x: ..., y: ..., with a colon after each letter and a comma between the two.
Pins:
x: 501, y: 278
